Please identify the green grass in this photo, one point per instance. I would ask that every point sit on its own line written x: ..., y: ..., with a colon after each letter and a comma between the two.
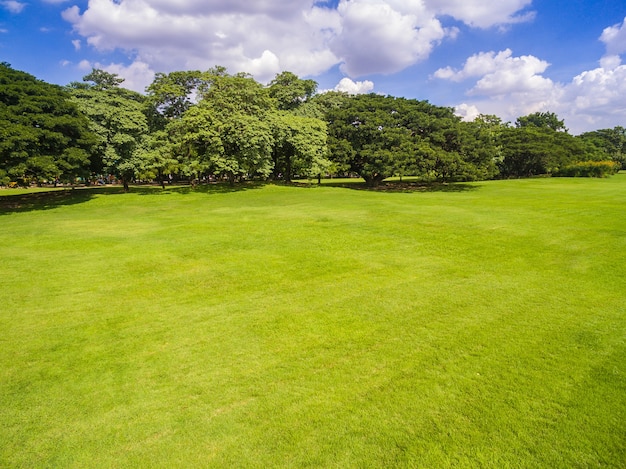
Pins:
x: 476, y: 325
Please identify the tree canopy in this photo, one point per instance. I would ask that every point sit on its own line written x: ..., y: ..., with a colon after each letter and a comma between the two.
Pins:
x: 44, y: 135
x: 207, y: 125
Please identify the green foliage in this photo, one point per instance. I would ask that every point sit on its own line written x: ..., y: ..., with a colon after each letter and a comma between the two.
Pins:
x: 299, y: 146
x: 377, y: 137
x: 596, y: 169
x: 547, y: 120
x: 290, y: 91
x: 44, y: 136
x: 611, y: 143
x: 227, y: 132
x: 531, y: 151
x: 117, y: 116
x: 173, y: 94
x: 102, y: 80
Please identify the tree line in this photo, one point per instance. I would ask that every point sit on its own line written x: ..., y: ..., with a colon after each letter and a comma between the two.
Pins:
x: 213, y: 125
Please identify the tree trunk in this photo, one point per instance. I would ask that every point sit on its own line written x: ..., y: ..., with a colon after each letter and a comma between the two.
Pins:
x: 125, y: 184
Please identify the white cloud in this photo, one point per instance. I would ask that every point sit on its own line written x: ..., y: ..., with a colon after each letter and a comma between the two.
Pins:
x: 307, y: 37
x: 467, y: 112
x: 346, y: 85
x: 482, y: 14
x: 13, y: 6
x: 85, y: 65
x: 500, y: 73
x: 511, y: 87
x: 77, y: 44
x: 377, y: 38
x: 614, y: 37
x: 136, y: 76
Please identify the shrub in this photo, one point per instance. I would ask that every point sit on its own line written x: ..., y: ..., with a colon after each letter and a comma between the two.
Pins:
x: 596, y: 169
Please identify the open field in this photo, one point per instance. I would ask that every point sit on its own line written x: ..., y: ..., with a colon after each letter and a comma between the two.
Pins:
x: 473, y: 325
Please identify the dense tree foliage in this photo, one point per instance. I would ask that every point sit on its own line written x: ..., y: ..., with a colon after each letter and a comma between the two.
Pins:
x: 117, y: 116
x: 542, y: 120
x: 207, y: 125
x: 611, y: 143
x: 44, y: 136
x: 380, y: 136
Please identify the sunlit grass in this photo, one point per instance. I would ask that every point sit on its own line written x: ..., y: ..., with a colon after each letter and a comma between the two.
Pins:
x: 279, y: 326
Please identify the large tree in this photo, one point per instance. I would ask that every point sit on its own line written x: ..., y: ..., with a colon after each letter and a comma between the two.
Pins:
x: 541, y: 120
x: 611, y: 143
x: 532, y: 150
x: 290, y: 91
x: 227, y: 132
x: 299, y: 146
x: 44, y: 136
x: 118, y: 117
x: 380, y: 136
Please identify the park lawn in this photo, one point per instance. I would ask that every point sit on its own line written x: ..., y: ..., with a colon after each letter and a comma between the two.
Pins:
x: 468, y: 325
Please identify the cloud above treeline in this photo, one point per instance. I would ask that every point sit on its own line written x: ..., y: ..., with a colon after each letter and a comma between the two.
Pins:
x: 264, y: 37
x: 360, y: 37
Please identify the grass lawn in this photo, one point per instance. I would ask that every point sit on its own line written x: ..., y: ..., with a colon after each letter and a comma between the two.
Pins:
x: 472, y: 325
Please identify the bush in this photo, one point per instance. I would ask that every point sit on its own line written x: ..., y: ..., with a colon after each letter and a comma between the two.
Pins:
x: 596, y: 169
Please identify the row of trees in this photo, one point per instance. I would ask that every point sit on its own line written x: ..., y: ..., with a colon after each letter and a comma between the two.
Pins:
x: 205, y: 125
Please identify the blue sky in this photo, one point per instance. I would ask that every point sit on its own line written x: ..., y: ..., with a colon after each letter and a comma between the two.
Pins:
x: 503, y: 57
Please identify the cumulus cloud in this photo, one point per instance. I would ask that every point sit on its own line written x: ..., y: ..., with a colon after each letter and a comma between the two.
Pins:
x: 377, y: 38
x: 136, y: 76
x: 614, y: 37
x: 511, y: 87
x: 265, y: 37
x: 467, y: 112
x: 346, y: 85
x: 481, y: 14
x: 13, y: 6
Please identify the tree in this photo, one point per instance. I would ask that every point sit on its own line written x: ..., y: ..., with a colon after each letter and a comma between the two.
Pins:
x: 290, y: 91
x: 531, y: 151
x: 299, y: 145
x: 174, y: 93
x: 156, y: 157
x: 101, y: 80
x: 117, y: 116
x: 611, y: 143
x: 380, y: 136
x: 44, y: 136
x: 228, y: 130
x: 542, y: 120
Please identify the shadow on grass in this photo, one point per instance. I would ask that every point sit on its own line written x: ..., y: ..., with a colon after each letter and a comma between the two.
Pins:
x: 399, y: 186
x: 53, y: 198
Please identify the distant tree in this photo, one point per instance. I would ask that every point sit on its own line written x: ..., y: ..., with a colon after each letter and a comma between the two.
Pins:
x: 366, y: 137
x: 174, y: 93
x: 228, y: 131
x: 43, y: 135
x: 117, y: 116
x: 531, y: 151
x: 299, y: 145
x: 611, y: 143
x: 290, y: 91
x: 155, y: 158
x: 542, y: 120
x: 102, y: 80
x: 380, y: 136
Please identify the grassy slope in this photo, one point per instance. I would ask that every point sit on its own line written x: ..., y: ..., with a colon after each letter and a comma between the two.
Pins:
x: 281, y: 326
